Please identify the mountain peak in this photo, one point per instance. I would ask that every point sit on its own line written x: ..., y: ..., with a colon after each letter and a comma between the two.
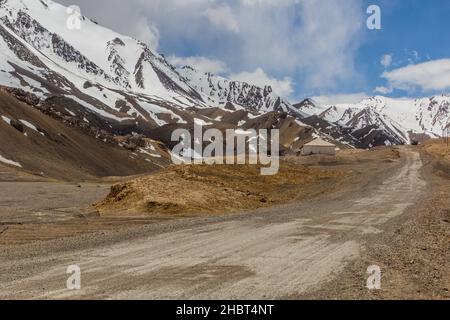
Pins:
x: 220, y: 91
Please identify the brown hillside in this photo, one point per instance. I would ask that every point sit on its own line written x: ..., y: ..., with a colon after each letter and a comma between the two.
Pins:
x: 58, y: 151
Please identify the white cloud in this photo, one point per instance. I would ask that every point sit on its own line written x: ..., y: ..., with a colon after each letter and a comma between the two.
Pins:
x: 313, y: 41
x: 326, y: 42
x: 428, y: 76
x: 253, y: 3
x: 146, y: 32
x: 145, y: 19
x: 340, y: 98
x: 203, y: 64
x: 282, y: 87
x: 125, y: 17
x: 415, y: 57
x: 383, y: 90
x: 386, y: 60
x: 222, y: 17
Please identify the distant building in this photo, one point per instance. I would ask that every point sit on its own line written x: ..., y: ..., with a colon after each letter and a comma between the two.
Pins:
x: 319, y: 146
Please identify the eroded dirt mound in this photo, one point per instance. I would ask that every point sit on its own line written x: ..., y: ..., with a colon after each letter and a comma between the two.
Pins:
x: 213, y: 189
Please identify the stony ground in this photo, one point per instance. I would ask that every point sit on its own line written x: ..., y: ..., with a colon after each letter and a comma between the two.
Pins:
x: 394, y: 214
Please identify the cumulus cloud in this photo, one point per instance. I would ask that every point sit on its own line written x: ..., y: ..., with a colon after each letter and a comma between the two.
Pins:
x: 383, y: 90
x: 414, y: 57
x: 282, y: 87
x: 222, y: 17
x: 340, y: 98
x: 327, y: 41
x: 428, y: 76
x: 253, y: 3
x: 145, y: 32
x: 386, y: 60
x: 203, y: 64
x: 314, y: 41
x: 146, y: 20
x: 122, y: 17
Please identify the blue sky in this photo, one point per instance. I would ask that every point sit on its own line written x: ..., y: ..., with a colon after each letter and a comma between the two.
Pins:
x: 413, y: 32
x: 303, y: 48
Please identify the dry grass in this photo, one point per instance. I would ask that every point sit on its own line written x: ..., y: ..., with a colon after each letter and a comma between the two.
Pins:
x: 439, y: 150
x: 203, y: 189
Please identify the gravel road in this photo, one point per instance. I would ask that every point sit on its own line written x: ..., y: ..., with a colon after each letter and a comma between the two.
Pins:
x: 274, y: 253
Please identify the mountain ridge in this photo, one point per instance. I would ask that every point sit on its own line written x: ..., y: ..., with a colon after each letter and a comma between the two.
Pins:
x: 119, y: 91
x: 403, y: 120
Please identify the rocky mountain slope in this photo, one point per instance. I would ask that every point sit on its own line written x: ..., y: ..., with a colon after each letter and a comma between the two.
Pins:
x: 386, y: 121
x: 112, y: 86
x: 116, y: 90
x: 113, y: 75
x: 55, y: 147
x: 219, y: 91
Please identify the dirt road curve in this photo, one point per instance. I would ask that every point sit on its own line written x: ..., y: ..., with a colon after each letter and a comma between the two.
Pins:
x: 274, y: 253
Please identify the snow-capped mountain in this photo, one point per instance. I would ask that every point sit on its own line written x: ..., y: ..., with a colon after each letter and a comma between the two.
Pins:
x: 93, y: 84
x: 114, y: 76
x: 119, y: 91
x: 309, y: 107
x: 219, y: 91
x: 400, y: 120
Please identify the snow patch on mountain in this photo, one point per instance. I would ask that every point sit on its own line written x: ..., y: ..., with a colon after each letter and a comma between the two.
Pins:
x: 114, y: 76
x: 402, y: 119
x: 219, y: 91
x: 10, y: 162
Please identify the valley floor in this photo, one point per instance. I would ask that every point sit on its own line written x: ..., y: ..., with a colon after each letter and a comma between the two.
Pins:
x: 393, y: 213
